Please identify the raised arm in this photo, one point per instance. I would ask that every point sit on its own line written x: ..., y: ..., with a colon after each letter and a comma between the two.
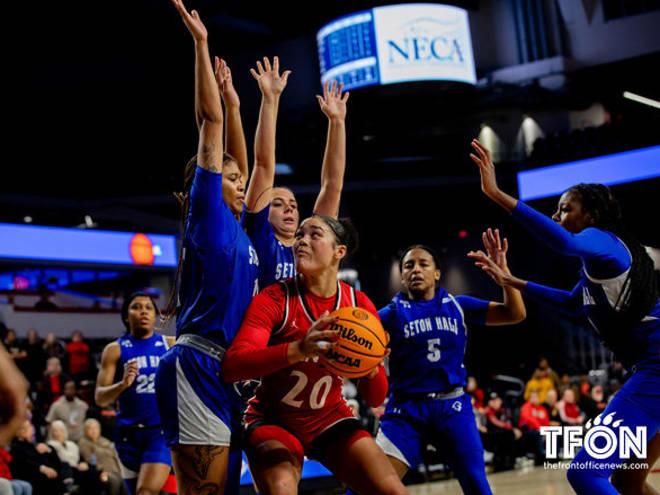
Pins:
x: 488, y: 180
x: 107, y: 392
x: 333, y: 105
x: 13, y: 391
x: 271, y: 85
x: 234, y: 135
x: 494, y: 264
x: 207, y: 96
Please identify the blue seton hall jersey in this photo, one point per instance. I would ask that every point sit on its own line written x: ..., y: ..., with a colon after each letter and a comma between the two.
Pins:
x: 428, y: 340
x: 137, y: 404
x: 606, y: 264
x: 220, y: 265
x: 275, y: 259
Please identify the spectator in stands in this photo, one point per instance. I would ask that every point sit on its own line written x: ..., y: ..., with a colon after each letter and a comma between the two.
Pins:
x: 501, y: 436
x: 78, y: 472
x: 37, y: 463
x: 8, y: 485
x: 569, y: 412
x: 15, y: 350
x: 476, y: 393
x: 594, y: 404
x: 53, y: 347
x: 35, y: 360
x: 52, y: 385
x: 532, y: 416
x: 69, y: 409
x: 550, y: 406
x: 544, y: 366
x: 540, y: 382
x: 77, y: 352
x: 567, y: 383
x: 44, y: 303
x: 100, y: 452
x: 584, y: 387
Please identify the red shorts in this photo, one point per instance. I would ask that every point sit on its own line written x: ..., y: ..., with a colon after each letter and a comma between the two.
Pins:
x: 304, y: 427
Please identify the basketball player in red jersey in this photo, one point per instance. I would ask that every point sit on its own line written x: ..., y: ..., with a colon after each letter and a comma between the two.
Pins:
x: 298, y: 408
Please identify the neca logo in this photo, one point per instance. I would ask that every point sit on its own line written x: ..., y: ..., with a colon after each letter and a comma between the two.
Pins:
x: 602, y: 439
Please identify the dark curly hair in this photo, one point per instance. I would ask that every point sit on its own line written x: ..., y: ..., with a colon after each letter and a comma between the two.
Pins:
x: 127, y: 302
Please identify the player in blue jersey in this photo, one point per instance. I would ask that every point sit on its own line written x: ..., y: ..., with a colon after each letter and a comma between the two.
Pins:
x: 128, y: 370
x: 428, y: 334
x: 216, y: 280
x: 617, y: 293
x: 273, y: 216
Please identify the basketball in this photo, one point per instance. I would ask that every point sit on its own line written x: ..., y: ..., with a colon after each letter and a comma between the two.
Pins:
x: 362, y: 342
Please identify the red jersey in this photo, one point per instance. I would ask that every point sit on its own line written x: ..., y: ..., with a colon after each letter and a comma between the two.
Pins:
x: 78, y: 357
x: 305, y: 397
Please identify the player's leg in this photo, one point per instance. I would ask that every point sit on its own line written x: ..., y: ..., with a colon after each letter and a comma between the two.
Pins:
x: 459, y: 438
x: 155, y: 464
x: 356, y: 459
x: 633, y: 481
x: 636, y: 404
x: 152, y: 477
x: 275, y: 457
x: 195, y: 410
x: 126, y: 444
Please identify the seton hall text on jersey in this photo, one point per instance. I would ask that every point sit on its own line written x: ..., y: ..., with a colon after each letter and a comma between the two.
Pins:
x: 146, y: 361
x: 422, y: 325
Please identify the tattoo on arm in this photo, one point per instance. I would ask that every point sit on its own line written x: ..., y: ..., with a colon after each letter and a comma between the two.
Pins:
x: 207, y: 156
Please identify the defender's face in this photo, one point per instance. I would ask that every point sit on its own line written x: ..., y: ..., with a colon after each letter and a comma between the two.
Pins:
x: 418, y: 272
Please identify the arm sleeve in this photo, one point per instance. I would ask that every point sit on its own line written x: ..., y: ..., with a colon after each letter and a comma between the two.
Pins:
x: 590, y: 243
x: 569, y: 303
x: 474, y: 309
x: 250, y: 356
x: 210, y: 222
x: 374, y: 391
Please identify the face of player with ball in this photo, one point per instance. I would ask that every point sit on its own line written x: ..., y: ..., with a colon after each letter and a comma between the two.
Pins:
x: 316, y: 250
x: 419, y: 274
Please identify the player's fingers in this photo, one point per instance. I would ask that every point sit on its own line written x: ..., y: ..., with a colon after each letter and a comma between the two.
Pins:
x: 267, y: 64
x: 325, y: 335
x: 285, y: 76
x: 276, y: 64
x: 260, y: 67
x: 325, y: 90
x: 505, y: 245
x: 333, y: 90
x: 345, y: 98
x: 339, y: 89
x: 254, y: 74
x: 477, y: 160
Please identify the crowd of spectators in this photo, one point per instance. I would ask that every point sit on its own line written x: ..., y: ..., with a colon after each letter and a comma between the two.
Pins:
x: 60, y: 448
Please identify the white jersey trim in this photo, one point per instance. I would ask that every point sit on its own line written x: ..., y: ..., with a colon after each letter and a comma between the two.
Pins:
x: 390, y: 449
x: 460, y: 310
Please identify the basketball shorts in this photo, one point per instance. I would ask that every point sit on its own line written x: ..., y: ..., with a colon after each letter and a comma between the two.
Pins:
x: 140, y: 445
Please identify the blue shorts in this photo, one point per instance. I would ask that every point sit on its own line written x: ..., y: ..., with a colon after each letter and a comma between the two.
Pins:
x: 136, y: 446
x: 196, y: 407
x: 448, y: 424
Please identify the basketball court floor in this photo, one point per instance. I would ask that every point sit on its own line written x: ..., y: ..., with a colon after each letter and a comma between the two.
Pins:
x: 525, y: 481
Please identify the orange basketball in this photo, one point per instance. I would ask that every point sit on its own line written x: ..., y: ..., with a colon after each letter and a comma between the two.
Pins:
x: 362, y: 342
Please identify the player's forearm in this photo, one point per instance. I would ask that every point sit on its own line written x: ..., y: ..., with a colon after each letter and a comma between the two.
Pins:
x: 374, y: 390
x: 264, y: 139
x: 513, y: 304
x: 245, y: 362
x: 332, y: 171
x: 207, y: 95
x: 104, y: 396
x: 235, y: 138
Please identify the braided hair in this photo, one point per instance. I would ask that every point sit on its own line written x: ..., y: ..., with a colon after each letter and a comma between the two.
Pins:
x: 640, y: 290
x: 183, y: 199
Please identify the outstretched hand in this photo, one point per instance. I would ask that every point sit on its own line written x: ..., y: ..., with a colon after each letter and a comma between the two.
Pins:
x: 333, y: 103
x: 486, y: 169
x: 271, y: 83
x: 495, y: 247
x: 225, y: 83
x: 192, y: 21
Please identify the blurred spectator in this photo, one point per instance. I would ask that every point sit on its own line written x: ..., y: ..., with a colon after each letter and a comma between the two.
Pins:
x: 52, y: 385
x: 53, y: 347
x: 569, y: 412
x: 476, y: 393
x: 81, y: 474
x: 532, y: 416
x: 100, y: 452
x: 37, y: 463
x: 15, y: 350
x: 70, y: 410
x: 550, y: 406
x: 44, y: 303
x: 544, y: 366
x: 501, y: 436
x: 585, y: 386
x: 77, y: 352
x: 7, y: 481
x: 540, y: 382
x: 35, y: 360
x: 616, y: 372
x: 567, y: 383
x: 594, y: 404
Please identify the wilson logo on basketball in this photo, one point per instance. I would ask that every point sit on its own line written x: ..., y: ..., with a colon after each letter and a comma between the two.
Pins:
x: 350, y: 335
x: 360, y: 315
x: 343, y: 359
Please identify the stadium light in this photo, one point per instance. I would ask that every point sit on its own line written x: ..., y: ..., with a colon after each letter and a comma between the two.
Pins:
x: 641, y: 99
